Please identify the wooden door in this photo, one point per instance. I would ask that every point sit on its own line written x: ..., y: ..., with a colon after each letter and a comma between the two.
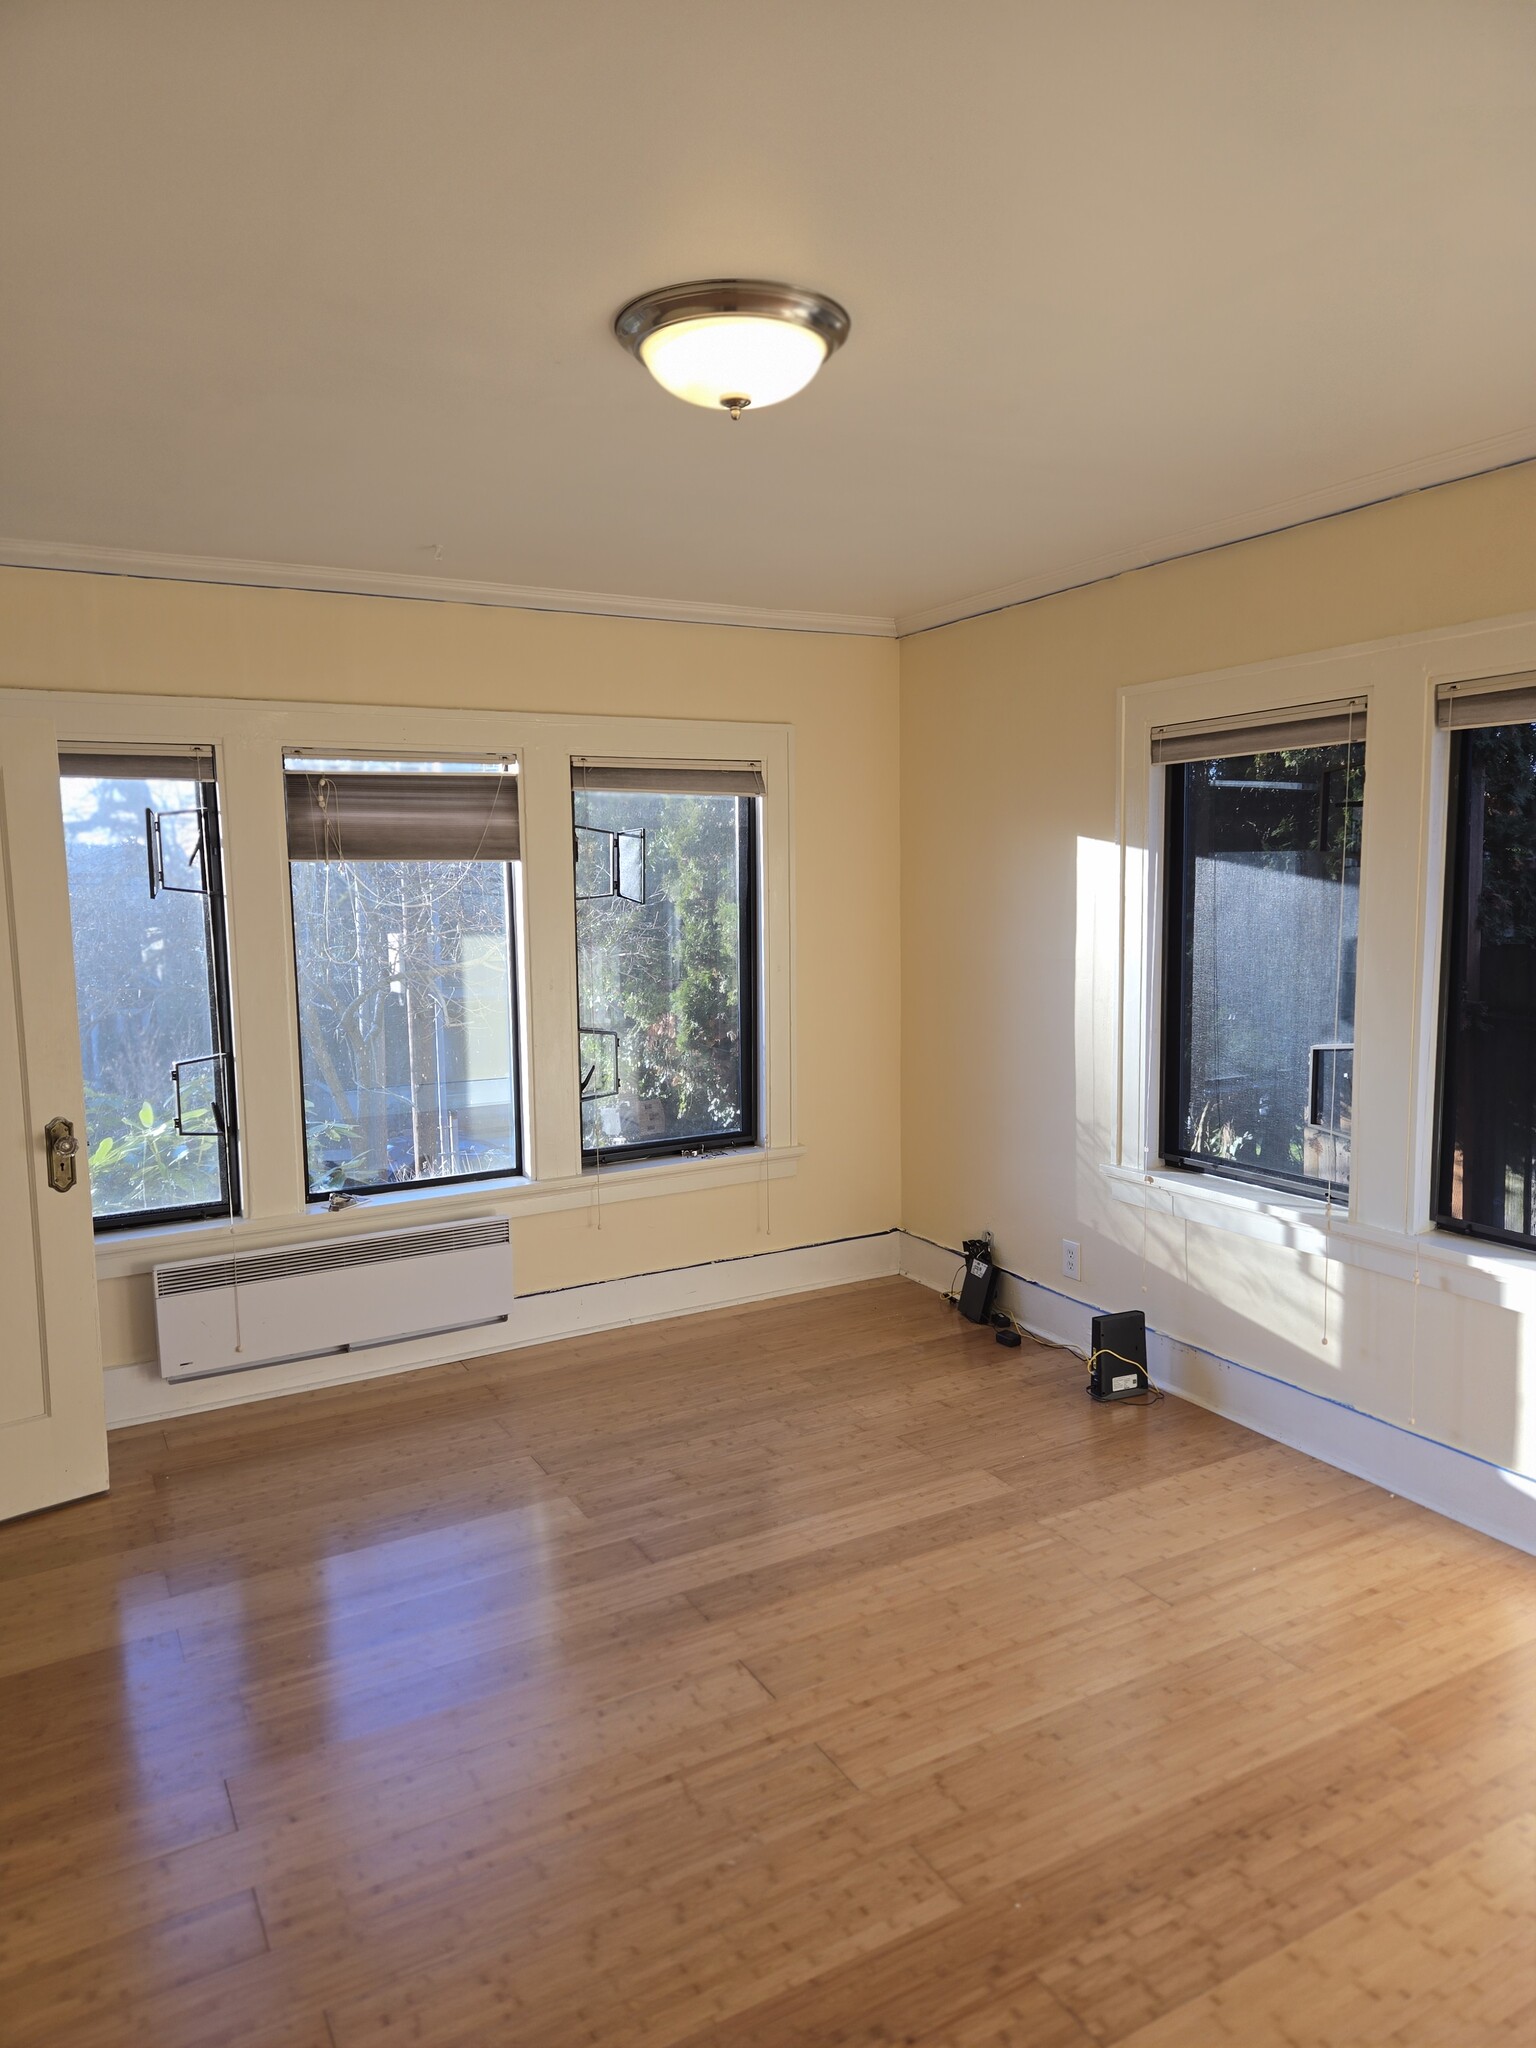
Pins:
x: 53, y: 1438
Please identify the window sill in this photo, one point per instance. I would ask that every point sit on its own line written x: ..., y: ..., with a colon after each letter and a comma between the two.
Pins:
x: 1249, y: 1209
x: 126, y: 1253
x: 1500, y: 1274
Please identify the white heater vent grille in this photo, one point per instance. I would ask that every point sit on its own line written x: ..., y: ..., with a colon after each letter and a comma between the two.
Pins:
x: 287, y: 1261
x: 337, y: 1294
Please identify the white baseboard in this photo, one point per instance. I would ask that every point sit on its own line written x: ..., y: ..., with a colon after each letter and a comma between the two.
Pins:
x: 1482, y: 1496
x: 136, y: 1393
x: 1486, y: 1497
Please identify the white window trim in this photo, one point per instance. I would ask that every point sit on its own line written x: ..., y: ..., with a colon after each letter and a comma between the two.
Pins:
x: 1387, y: 1224
x: 125, y: 1252
x: 250, y: 739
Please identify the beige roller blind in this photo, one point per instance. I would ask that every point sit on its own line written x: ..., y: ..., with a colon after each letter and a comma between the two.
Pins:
x: 401, y: 816
x: 148, y: 764
x: 669, y: 778
x: 1492, y: 700
x: 1335, y: 724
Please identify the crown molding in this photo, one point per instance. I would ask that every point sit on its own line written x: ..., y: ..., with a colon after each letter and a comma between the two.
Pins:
x: 1456, y: 465
x: 1450, y: 466
x: 156, y: 567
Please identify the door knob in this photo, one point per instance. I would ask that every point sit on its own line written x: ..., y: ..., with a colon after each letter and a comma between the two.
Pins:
x: 63, y: 1150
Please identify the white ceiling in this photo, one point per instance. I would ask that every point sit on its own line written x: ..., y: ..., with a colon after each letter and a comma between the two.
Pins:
x: 332, y: 283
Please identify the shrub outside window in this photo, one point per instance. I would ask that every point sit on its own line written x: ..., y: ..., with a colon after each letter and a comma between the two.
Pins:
x: 666, y: 948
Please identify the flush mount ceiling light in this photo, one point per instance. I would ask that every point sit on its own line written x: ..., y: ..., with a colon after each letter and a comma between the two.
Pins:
x: 732, y: 342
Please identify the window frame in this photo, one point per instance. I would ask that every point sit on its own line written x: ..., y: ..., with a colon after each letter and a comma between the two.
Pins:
x: 320, y: 1197
x: 221, y: 1020
x: 1177, y: 915
x: 1122, y: 876
x: 749, y: 832
x: 251, y: 736
x: 1248, y: 1244
x: 1456, y: 853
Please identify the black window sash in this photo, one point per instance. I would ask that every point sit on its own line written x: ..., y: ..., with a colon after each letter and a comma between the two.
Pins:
x: 515, y: 1077
x: 1177, y: 1050
x: 1457, y: 1103
x: 221, y: 1017
x: 749, y: 941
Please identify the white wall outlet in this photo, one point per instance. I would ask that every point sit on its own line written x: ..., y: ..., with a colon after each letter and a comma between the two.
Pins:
x: 1071, y: 1254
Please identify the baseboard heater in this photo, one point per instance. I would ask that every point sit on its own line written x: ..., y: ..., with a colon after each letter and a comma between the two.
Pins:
x: 331, y: 1295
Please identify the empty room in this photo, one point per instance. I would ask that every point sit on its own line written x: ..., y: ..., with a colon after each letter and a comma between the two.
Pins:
x: 720, y: 726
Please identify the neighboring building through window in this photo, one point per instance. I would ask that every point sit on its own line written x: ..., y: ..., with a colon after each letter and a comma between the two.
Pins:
x: 666, y: 952
x: 404, y: 944
x: 1262, y: 911
x: 146, y: 900
x: 1485, y: 1180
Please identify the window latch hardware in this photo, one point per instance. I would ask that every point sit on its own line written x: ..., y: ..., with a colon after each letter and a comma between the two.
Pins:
x: 154, y: 843
x: 623, y: 857
x: 588, y: 1092
x: 215, y: 1109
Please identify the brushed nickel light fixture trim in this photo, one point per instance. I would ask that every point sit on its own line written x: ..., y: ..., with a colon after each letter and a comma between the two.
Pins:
x: 732, y: 342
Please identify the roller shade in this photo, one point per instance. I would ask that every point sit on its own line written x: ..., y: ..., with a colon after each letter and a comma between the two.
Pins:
x: 158, y: 764
x: 1307, y: 725
x: 670, y: 778
x: 401, y: 817
x: 1495, y: 700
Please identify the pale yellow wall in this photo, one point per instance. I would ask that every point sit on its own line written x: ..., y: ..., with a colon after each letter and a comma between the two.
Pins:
x: 838, y: 693
x: 1010, y: 888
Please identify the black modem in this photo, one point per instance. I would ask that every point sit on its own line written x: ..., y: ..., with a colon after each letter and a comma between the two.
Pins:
x: 1117, y: 1356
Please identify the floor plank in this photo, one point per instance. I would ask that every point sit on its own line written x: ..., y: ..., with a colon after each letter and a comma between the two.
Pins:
x: 805, y: 1674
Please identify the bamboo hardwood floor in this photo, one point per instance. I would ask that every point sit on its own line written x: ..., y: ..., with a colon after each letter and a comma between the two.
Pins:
x: 805, y: 1674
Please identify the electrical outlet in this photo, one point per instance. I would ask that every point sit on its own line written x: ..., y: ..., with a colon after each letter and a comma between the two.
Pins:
x: 1070, y: 1255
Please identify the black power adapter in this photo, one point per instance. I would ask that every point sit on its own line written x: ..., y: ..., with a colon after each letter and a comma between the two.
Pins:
x: 980, y: 1282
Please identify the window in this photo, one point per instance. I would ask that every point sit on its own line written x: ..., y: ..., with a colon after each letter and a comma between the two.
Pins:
x: 1262, y: 909
x: 404, y: 937
x: 1485, y: 1176
x: 666, y: 953
x: 146, y: 900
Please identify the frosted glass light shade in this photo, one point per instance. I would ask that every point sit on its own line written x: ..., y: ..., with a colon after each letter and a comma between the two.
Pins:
x: 729, y: 343
x: 733, y: 356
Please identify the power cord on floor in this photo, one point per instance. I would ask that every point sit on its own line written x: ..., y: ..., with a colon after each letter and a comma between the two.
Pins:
x: 1002, y: 1319
x: 1149, y: 1395
x: 1005, y: 1319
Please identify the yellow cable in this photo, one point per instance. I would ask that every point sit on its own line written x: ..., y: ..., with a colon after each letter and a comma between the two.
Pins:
x: 1105, y: 1352
x: 1134, y: 1363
